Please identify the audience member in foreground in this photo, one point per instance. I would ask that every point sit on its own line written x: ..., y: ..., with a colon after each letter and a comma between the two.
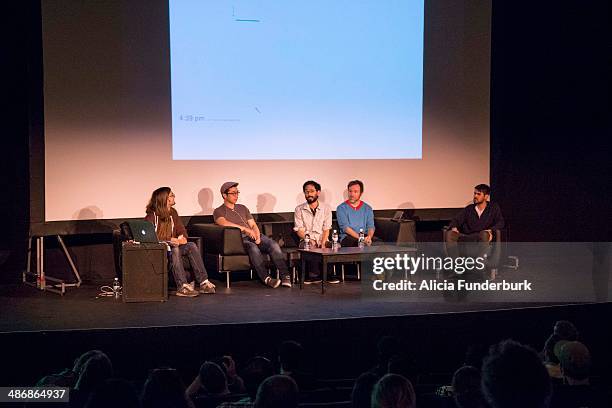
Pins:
x: 513, y: 376
x: 97, y: 369
x: 235, y: 384
x: 210, y: 382
x: 393, y: 391
x: 68, y: 377
x: 577, y: 391
x: 278, y: 391
x: 256, y: 371
x: 466, y: 388
x: 361, y: 396
x: 164, y: 388
x: 562, y: 330
x: 291, y: 356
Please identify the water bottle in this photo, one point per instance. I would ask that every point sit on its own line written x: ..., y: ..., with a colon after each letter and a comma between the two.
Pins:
x: 116, y: 288
x: 335, y: 240
x: 307, y: 241
x: 361, y: 241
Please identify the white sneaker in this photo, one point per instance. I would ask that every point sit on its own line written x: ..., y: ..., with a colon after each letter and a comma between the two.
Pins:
x: 273, y: 283
x: 186, y: 291
x: 207, y: 287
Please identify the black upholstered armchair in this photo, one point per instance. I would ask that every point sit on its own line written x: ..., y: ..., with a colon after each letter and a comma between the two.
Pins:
x: 282, y: 232
x: 223, y: 249
x: 402, y: 232
x: 494, y: 255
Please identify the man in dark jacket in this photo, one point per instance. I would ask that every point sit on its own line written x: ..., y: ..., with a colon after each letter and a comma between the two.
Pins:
x: 476, y: 222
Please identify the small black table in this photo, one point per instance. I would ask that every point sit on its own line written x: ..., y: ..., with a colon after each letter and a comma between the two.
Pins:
x: 344, y: 255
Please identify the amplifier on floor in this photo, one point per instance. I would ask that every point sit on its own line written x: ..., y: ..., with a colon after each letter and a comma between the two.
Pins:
x: 145, y: 272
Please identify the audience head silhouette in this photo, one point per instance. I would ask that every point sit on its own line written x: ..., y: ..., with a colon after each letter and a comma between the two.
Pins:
x: 513, y: 376
x: 96, y: 369
x: 278, y: 391
x: 256, y: 371
x: 575, y: 361
x: 466, y: 388
x: 164, y: 388
x: 213, y: 379
x: 290, y: 355
x: 393, y: 391
x: 361, y: 396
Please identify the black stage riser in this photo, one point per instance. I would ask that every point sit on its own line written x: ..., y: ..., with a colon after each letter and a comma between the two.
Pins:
x: 337, y: 348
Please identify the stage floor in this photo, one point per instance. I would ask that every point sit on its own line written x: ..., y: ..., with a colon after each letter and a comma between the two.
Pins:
x: 246, y: 302
x: 45, y: 331
x: 558, y: 274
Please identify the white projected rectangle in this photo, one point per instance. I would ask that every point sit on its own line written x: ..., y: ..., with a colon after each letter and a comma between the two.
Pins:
x: 309, y: 79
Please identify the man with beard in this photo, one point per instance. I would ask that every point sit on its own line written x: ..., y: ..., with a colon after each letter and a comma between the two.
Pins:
x: 475, y: 222
x: 314, y: 218
x: 355, y: 215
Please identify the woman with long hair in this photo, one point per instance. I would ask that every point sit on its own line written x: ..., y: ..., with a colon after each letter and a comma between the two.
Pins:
x: 170, y: 228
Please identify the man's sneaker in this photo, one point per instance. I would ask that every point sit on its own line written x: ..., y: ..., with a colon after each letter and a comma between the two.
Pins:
x: 186, y: 291
x: 271, y: 282
x: 310, y: 280
x: 286, y: 281
x: 332, y: 279
x: 207, y: 288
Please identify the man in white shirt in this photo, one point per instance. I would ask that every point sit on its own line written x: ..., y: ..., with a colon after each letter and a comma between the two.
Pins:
x: 315, y: 219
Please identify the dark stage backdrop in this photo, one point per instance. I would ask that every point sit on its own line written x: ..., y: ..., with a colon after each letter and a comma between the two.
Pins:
x: 550, y: 126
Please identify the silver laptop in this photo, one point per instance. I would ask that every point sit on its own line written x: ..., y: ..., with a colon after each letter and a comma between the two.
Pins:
x: 143, y: 231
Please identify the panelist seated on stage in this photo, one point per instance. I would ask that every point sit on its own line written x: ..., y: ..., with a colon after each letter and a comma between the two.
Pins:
x: 170, y: 228
x: 354, y: 215
x: 315, y: 218
x: 476, y: 222
x: 231, y: 214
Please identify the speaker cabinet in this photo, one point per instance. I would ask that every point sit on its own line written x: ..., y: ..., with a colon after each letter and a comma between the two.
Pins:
x: 145, y: 272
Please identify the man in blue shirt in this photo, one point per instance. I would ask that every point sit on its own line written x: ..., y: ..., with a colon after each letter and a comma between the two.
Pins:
x: 354, y: 215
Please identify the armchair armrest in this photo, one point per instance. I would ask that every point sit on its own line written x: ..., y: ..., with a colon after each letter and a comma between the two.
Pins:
x: 395, y: 232
x: 282, y: 232
x: 219, y: 240
x: 497, y: 248
x: 198, y: 241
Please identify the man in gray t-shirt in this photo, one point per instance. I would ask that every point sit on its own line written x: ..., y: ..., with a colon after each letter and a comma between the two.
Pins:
x: 231, y: 214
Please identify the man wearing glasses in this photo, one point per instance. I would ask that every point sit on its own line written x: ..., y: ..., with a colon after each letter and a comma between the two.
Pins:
x: 231, y: 214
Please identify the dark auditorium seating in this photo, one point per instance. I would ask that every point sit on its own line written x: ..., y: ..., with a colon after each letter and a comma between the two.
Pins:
x: 213, y: 402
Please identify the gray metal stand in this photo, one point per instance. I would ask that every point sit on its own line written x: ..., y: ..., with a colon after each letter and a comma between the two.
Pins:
x: 57, y: 285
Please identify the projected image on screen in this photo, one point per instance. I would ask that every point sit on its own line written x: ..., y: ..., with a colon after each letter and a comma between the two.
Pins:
x: 309, y: 79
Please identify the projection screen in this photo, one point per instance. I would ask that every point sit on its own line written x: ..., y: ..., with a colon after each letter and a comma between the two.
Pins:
x: 143, y: 94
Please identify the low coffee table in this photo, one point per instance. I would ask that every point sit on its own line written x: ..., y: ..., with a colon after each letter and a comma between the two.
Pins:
x: 344, y: 255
